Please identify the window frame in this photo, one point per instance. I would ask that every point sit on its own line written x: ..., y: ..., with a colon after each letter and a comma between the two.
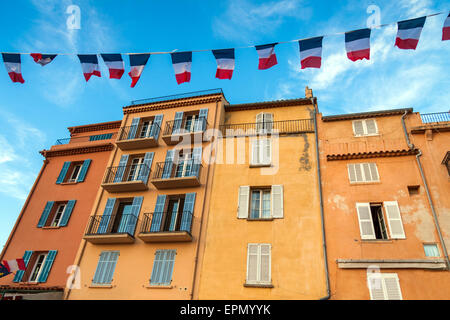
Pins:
x: 56, y: 214
x: 437, y: 250
x: 258, y: 265
x: 363, y: 173
x: 73, y: 179
x: 383, y: 277
x: 38, y: 255
x: 261, y: 191
x: 260, y: 143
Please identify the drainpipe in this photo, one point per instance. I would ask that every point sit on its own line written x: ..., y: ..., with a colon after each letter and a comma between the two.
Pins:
x: 430, y: 201
x: 319, y: 178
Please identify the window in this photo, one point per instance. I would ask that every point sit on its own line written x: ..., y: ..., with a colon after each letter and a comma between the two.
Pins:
x: 366, y: 127
x: 183, y: 168
x: 372, y: 221
x: 75, y: 172
x: 135, y: 168
x: 362, y: 172
x: 119, y: 216
x: 163, y: 268
x: 446, y: 161
x: 258, y: 264
x: 431, y: 250
x: 105, y: 267
x: 384, y: 286
x: 146, y: 127
x: 413, y: 190
x: 37, y: 268
x: 264, y: 123
x: 261, y: 153
x: 97, y: 137
x: 260, y: 203
x: 174, y: 213
x: 58, y: 215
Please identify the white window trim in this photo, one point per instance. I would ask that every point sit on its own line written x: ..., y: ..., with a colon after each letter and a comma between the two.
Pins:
x: 258, y: 263
x: 382, y: 277
x: 35, y: 265
x: 361, y: 166
x: 135, y: 175
x: 364, y: 125
x: 74, y: 179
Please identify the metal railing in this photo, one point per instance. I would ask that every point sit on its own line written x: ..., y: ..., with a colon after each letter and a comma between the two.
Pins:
x: 139, y: 131
x: 166, y: 222
x: 184, y: 126
x: 112, y: 224
x: 179, y: 96
x: 177, y: 169
x: 435, y: 117
x: 268, y: 127
x: 133, y: 172
x: 98, y: 137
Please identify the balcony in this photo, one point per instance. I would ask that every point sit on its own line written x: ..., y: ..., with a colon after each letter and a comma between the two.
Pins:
x: 268, y: 127
x: 140, y: 136
x: 177, y: 131
x: 84, y: 139
x: 126, y: 178
x: 181, y: 174
x: 166, y: 227
x: 105, y: 229
x: 435, y: 117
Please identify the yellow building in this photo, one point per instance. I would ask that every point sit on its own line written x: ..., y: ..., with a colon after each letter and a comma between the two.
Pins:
x: 264, y: 236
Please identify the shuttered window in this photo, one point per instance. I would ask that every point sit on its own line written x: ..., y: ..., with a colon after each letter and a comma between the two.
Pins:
x: 258, y: 263
x: 261, y: 152
x: 372, y: 220
x: 362, y: 172
x: 384, y: 286
x: 163, y: 268
x: 264, y: 123
x: 365, y: 127
x: 105, y: 267
x: 259, y: 203
x: 394, y: 220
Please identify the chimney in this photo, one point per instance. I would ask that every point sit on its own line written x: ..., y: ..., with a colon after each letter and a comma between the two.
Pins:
x: 308, y: 93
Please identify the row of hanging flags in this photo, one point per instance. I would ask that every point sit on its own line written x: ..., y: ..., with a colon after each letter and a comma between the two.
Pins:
x: 357, y: 45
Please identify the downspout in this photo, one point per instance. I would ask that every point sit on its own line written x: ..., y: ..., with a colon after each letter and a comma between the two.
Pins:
x: 319, y: 178
x: 430, y: 201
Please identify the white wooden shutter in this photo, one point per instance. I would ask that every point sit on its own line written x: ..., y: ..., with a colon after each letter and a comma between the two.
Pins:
x: 259, y: 122
x: 277, y: 201
x: 351, y: 172
x: 243, y: 202
x: 358, y: 128
x: 376, y: 286
x: 252, y: 263
x: 365, y: 221
x: 371, y: 126
x: 268, y: 122
x: 358, y: 172
x: 392, y: 287
x: 254, y: 160
x: 366, y: 171
x: 394, y: 220
x: 266, y: 151
x: 265, y: 263
x: 374, y: 171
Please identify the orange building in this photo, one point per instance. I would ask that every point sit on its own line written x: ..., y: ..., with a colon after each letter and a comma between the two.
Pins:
x: 50, y: 226
x: 383, y: 239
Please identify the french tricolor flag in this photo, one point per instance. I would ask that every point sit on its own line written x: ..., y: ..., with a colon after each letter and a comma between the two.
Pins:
x: 311, y: 52
x: 43, y: 59
x: 225, y: 63
x: 267, y: 57
x: 137, y: 64
x: 408, y: 33
x: 182, y: 62
x: 446, y: 29
x: 13, y: 66
x: 115, y: 64
x: 89, y: 65
x: 357, y: 44
x: 14, y: 265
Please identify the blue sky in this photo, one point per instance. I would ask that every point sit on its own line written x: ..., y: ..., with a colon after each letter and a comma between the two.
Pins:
x: 35, y: 114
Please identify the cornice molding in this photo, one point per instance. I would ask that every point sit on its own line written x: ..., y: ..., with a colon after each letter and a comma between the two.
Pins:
x: 365, y: 115
x: 78, y: 150
x: 269, y: 104
x: 95, y: 127
x: 374, y: 154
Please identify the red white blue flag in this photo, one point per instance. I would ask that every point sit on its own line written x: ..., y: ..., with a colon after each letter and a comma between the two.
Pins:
x: 137, y: 64
x: 225, y: 63
x: 14, y: 265
x: 89, y: 65
x: 357, y: 44
x: 311, y: 52
x: 13, y: 66
x: 182, y: 62
x: 408, y: 33
x: 446, y: 29
x: 43, y: 59
x: 267, y: 57
x: 115, y: 64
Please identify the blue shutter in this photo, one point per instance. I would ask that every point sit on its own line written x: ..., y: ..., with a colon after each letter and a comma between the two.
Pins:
x: 128, y: 222
x: 156, y: 126
x: 188, y: 212
x: 84, y: 169
x: 203, y: 118
x: 97, y: 137
x: 63, y: 172
x: 177, y: 122
x: 26, y: 258
x: 163, y: 267
x: 168, y: 164
x: 67, y: 213
x: 47, y: 265
x: 133, y: 128
x: 158, y: 213
x: 106, y: 217
x: 45, y: 213
x: 144, y: 170
x: 121, y: 168
x: 105, y: 267
x: 196, y: 161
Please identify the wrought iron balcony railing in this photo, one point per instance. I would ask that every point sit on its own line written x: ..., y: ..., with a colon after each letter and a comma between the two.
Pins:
x: 140, y: 131
x: 166, y: 222
x: 98, y: 137
x: 268, y: 127
x: 177, y: 169
x: 435, y: 117
x: 133, y: 172
x: 112, y: 224
x: 185, y: 125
